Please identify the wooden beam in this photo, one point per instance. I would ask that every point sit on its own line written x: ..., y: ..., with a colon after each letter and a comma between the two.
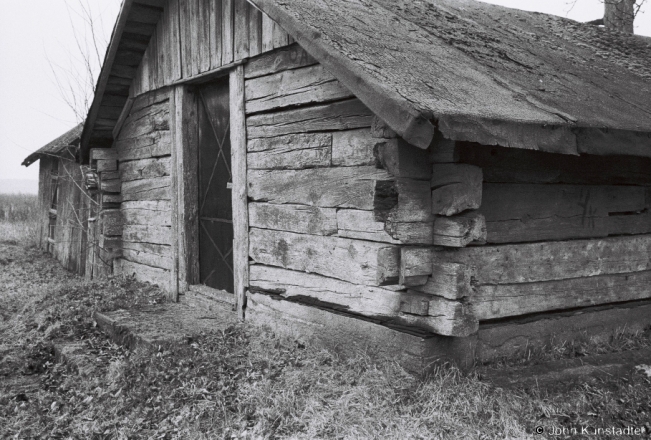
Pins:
x: 355, y: 261
x: 295, y: 218
x: 502, y: 300
x: 546, y: 261
x: 123, y: 117
x: 184, y: 166
x: 239, y: 192
x: 459, y: 230
x: 209, y: 75
x: 436, y: 315
x: 415, y: 265
x: 293, y: 151
x: 342, y: 187
x: 174, y: 290
x: 305, y: 85
x: 455, y: 188
x: 401, y: 159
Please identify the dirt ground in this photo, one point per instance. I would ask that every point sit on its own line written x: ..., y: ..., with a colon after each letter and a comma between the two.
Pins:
x: 247, y: 383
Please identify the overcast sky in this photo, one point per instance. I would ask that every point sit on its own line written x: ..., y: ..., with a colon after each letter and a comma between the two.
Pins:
x: 35, y: 34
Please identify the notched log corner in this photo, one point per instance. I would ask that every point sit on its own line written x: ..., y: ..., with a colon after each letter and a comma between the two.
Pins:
x: 385, y: 199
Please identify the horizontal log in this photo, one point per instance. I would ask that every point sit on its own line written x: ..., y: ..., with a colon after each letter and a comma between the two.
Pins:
x: 373, y: 302
x: 149, y: 259
x: 545, y: 229
x: 452, y: 318
x: 144, y: 216
x: 305, y: 85
x: 526, y: 166
x: 524, y: 263
x: 109, y: 243
x: 157, y: 188
x: 348, y: 187
x: 293, y: 218
x: 365, y: 300
x: 415, y: 265
x: 111, y: 222
x: 448, y: 280
x: 111, y: 230
x: 144, y: 273
x: 107, y: 165
x: 629, y: 223
x: 455, y: 188
x: 288, y: 57
x: 411, y: 232
x: 146, y: 121
x: 145, y: 169
x: 147, y: 100
x: 531, y: 212
x: 356, y: 261
x: 111, y: 185
x: 290, y: 152
x: 499, y: 301
x: 161, y: 250
x: 353, y: 223
x: 103, y: 154
x: 109, y: 175
x: 503, y: 201
x: 342, y: 115
x: 152, y: 205
x: 152, y: 145
x: 147, y: 234
x: 401, y: 159
x: 111, y: 198
x: 414, y: 202
x: 459, y: 230
x: 353, y: 148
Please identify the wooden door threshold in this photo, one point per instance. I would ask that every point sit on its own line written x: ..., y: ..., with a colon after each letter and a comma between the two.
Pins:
x: 205, y: 297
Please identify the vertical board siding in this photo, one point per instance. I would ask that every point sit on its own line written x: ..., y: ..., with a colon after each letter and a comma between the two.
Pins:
x: 227, y: 31
x: 195, y: 36
x: 73, y: 203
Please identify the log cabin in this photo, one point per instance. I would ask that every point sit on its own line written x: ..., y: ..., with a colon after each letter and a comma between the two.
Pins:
x: 427, y: 179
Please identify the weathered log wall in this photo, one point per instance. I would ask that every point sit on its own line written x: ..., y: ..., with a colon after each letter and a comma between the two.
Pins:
x: 346, y: 216
x: 331, y: 203
x: 560, y: 232
x: 193, y: 37
x: 64, y: 215
x: 143, y: 173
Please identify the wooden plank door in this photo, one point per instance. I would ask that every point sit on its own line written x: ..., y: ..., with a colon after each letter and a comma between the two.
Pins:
x: 215, y: 181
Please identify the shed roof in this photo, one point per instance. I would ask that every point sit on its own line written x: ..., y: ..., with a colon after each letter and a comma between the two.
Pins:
x: 476, y: 72
x: 57, y: 147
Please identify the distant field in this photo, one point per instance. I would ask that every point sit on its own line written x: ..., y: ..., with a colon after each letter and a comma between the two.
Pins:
x: 19, y: 218
x: 17, y: 207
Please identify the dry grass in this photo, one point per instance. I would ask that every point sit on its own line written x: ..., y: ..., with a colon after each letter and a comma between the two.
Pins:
x: 245, y: 383
x: 19, y: 219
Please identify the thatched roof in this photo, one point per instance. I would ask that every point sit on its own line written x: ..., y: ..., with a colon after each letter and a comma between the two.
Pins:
x: 58, y: 147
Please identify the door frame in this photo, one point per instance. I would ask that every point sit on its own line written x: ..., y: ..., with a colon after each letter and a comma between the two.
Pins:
x: 185, y: 187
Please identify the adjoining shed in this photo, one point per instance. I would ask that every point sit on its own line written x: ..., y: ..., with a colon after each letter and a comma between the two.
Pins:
x: 64, y: 203
x: 427, y: 178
